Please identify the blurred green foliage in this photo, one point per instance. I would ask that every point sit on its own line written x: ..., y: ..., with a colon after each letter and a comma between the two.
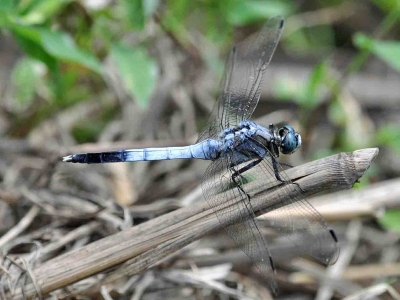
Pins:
x: 391, y: 220
x: 136, y: 12
x: 308, y: 96
x: 68, y: 43
x: 25, y: 79
x: 388, y: 51
x: 308, y: 99
x: 389, y: 135
x: 88, y: 131
x: 137, y: 69
x: 65, y: 50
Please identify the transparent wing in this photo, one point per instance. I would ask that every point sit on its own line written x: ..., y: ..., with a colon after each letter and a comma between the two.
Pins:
x: 235, y: 213
x: 240, y: 87
x: 292, y: 216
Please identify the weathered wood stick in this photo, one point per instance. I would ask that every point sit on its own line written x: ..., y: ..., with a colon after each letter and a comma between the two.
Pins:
x: 141, y: 247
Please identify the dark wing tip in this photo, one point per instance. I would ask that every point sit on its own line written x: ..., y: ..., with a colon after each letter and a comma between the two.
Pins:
x: 272, y: 264
x: 275, y: 22
x: 336, y: 250
x: 282, y: 23
x: 333, y: 234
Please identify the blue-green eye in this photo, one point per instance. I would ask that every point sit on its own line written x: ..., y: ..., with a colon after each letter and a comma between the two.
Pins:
x: 291, y: 140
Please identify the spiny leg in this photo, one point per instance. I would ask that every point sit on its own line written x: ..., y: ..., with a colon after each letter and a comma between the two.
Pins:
x: 278, y: 176
x: 237, y: 173
x: 285, y: 164
x: 246, y: 168
x: 274, y: 164
x: 274, y: 161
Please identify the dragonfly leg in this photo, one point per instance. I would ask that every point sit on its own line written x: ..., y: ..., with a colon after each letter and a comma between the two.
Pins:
x: 274, y: 164
x: 246, y: 168
x: 237, y: 173
x: 278, y: 176
x: 285, y: 164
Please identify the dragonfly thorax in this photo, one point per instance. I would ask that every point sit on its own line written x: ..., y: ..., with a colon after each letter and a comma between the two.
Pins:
x: 247, y: 139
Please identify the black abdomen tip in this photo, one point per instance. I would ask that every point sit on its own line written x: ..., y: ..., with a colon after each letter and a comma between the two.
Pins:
x: 96, y: 158
x: 76, y: 158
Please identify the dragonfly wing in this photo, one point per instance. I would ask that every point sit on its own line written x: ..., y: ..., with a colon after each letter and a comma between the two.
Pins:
x: 293, y: 217
x: 240, y: 87
x: 256, y: 61
x: 234, y: 212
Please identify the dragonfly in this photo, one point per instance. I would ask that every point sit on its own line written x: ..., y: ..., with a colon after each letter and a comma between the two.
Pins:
x: 242, y: 151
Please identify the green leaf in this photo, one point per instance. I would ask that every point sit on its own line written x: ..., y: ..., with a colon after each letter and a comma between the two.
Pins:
x: 7, y: 12
x: 134, y: 13
x: 62, y: 46
x: 150, y: 6
x: 244, y: 12
x: 137, y: 70
x: 309, y: 98
x: 389, y: 135
x: 51, y: 47
x: 7, y: 5
x: 391, y: 220
x: 24, y: 80
x: 387, y: 5
x: 137, y: 11
x: 29, y: 39
x: 5, y: 19
x: 47, y: 45
x: 336, y: 113
x: 31, y: 33
x: 388, y: 51
x: 42, y: 11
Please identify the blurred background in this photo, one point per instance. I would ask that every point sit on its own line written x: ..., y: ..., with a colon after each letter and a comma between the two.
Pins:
x: 98, y: 75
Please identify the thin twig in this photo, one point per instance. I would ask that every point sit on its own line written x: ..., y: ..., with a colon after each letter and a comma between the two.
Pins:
x: 373, y: 291
x: 325, y: 292
x: 144, y: 283
x: 143, y: 246
x: 324, y: 16
x: 69, y: 237
x: 20, y: 227
x: 356, y: 273
x: 370, y: 202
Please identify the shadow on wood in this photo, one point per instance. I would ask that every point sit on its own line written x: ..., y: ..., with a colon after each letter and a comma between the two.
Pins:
x: 141, y: 247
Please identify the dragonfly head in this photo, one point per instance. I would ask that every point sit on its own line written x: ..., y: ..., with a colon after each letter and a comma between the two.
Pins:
x: 290, y: 139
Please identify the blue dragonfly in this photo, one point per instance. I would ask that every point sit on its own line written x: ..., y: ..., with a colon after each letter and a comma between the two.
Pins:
x: 240, y: 152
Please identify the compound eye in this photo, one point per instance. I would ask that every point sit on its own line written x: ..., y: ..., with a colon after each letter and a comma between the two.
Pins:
x: 290, y: 143
x: 282, y: 132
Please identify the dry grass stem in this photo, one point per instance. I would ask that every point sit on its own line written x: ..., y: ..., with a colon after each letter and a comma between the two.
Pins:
x: 138, y: 248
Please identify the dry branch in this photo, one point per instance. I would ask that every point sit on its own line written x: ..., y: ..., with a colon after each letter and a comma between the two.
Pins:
x: 21, y: 226
x: 370, y: 202
x: 354, y: 273
x: 141, y: 247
